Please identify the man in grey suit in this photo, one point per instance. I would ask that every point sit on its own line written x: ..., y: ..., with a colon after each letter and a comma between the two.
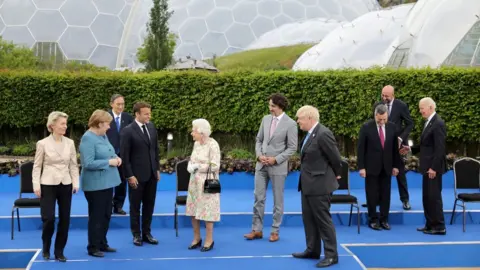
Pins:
x: 320, y: 169
x: 276, y: 141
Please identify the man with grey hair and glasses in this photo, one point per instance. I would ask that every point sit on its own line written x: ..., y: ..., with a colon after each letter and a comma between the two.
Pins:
x: 378, y: 159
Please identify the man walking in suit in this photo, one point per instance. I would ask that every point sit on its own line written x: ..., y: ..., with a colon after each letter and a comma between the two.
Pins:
x: 276, y: 141
x: 378, y: 159
x: 399, y: 114
x: 433, y: 164
x: 140, y: 155
x: 120, y: 120
x: 320, y: 168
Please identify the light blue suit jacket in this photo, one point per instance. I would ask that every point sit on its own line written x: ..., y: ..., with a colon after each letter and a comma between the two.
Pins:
x: 95, y: 152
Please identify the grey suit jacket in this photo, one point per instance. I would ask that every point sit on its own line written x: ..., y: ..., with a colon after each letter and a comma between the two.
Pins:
x: 281, y: 145
x: 321, y: 163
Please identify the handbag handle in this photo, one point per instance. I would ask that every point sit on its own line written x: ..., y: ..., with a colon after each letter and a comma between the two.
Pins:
x: 209, y: 170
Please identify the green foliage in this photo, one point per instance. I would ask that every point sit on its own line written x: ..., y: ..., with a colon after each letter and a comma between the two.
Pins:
x: 16, y: 57
x: 157, y: 50
x: 234, y: 102
x: 27, y: 149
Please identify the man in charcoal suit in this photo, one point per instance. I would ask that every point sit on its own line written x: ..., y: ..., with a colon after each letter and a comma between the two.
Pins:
x: 378, y: 159
x: 120, y: 120
x: 320, y: 169
x: 276, y: 142
x: 140, y: 155
x: 399, y: 114
x: 433, y: 163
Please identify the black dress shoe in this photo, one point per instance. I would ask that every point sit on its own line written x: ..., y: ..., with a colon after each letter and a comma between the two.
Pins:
x: 119, y: 211
x: 306, y: 255
x: 406, y: 205
x: 385, y: 225
x: 435, y: 232
x: 374, y: 226
x: 98, y: 254
x: 60, y: 258
x: 327, y: 262
x: 205, y: 249
x: 196, y: 245
x: 150, y: 239
x: 46, y: 255
x: 364, y: 205
x: 108, y: 249
x: 137, y: 240
x: 422, y: 229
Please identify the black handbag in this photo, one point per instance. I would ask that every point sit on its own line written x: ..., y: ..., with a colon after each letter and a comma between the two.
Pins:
x: 211, y: 185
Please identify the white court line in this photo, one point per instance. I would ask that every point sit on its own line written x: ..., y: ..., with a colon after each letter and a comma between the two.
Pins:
x: 190, y: 258
x: 32, y: 260
x: 20, y: 250
x: 412, y: 243
x: 355, y: 257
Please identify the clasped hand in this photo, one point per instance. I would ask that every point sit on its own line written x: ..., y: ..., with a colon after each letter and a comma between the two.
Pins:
x: 115, y: 162
x: 192, y: 167
x: 267, y: 160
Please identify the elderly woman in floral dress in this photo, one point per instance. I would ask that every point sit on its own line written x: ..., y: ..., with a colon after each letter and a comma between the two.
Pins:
x: 200, y: 205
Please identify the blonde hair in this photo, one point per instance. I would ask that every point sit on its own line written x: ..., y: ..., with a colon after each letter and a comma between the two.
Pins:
x: 202, y: 126
x: 309, y: 112
x: 53, y: 118
x: 99, y: 116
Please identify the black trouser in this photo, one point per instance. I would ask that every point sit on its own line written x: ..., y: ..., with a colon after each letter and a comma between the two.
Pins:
x: 143, y: 196
x: 402, y: 182
x: 51, y: 195
x: 120, y: 191
x: 433, y: 202
x: 378, y: 189
x: 99, y: 214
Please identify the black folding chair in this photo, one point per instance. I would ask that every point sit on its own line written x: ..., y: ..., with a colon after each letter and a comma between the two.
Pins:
x: 26, y: 186
x: 466, y: 173
x: 183, y: 178
x: 344, y: 184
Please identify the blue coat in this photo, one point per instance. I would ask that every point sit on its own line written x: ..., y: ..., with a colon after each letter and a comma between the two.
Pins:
x: 97, y: 174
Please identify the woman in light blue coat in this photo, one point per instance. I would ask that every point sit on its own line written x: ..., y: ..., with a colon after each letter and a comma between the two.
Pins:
x: 98, y: 177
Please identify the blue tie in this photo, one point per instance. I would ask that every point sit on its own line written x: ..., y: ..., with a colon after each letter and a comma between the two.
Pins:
x: 117, y: 121
x: 305, y: 141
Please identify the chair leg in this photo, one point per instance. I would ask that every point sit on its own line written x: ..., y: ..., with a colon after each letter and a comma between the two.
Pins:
x: 13, y: 223
x: 464, y: 216
x: 176, y: 220
x: 350, y: 217
x: 18, y: 219
x: 358, y: 218
x: 453, y: 212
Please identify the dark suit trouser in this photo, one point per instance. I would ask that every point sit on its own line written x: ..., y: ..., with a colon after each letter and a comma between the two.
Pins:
x: 143, y: 196
x: 378, y: 189
x: 120, y: 191
x: 99, y: 214
x: 318, y: 225
x: 51, y: 195
x: 402, y: 182
x: 432, y: 202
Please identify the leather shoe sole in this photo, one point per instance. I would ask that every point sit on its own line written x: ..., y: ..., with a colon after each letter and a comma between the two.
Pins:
x: 327, y: 262
x: 306, y: 255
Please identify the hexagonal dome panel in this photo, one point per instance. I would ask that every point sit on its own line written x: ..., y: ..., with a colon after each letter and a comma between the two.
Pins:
x: 293, y: 9
x: 107, y: 29
x: 188, y: 49
x: 193, y: 30
x: 77, y: 43
x: 105, y: 56
x: 261, y: 25
x: 239, y: 35
x: 17, y: 12
x: 245, y: 12
x: 213, y: 44
x: 18, y: 35
x: 269, y: 8
x: 109, y: 6
x: 47, y: 25
x: 2, y: 26
x: 219, y: 20
x: 48, y: 4
x: 225, y: 3
x: 79, y: 12
x: 281, y: 20
x: 177, y: 19
x: 200, y: 8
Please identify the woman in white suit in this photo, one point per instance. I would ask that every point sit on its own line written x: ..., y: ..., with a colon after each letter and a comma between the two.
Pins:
x: 55, y: 178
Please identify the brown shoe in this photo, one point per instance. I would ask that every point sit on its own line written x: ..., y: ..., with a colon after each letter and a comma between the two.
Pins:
x: 274, y: 237
x: 253, y: 235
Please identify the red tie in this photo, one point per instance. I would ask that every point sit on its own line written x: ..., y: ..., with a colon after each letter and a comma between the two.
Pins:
x: 382, y: 137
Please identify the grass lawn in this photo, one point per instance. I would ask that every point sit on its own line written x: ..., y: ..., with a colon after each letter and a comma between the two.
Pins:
x: 279, y: 58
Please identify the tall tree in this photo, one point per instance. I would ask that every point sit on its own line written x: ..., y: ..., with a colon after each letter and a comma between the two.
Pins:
x: 158, y: 47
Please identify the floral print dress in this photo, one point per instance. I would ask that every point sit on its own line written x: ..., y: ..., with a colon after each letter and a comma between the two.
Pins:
x: 204, y: 206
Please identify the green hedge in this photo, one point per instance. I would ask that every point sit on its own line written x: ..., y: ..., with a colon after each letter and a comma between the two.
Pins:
x: 235, y: 102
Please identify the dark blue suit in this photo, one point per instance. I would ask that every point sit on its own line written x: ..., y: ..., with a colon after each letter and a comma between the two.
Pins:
x: 113, y: 135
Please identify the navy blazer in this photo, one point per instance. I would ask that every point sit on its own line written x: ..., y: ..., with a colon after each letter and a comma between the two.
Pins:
x: 113, y: 134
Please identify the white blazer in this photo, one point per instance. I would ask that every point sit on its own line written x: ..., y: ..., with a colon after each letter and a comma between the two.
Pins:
x: 52, y: 167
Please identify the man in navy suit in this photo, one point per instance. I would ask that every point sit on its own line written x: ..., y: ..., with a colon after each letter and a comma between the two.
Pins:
x: 120, y: 120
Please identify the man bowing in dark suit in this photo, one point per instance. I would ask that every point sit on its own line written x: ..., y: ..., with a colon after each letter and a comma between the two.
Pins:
x: 433, y: 163
x: 140, y: 155
x: 320, y: 169
x: 120, y: 120
x: 378, y: 159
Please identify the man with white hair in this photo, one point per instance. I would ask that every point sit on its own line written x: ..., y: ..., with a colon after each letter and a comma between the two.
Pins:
x: 432, y: 166
x: 320, y: 169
